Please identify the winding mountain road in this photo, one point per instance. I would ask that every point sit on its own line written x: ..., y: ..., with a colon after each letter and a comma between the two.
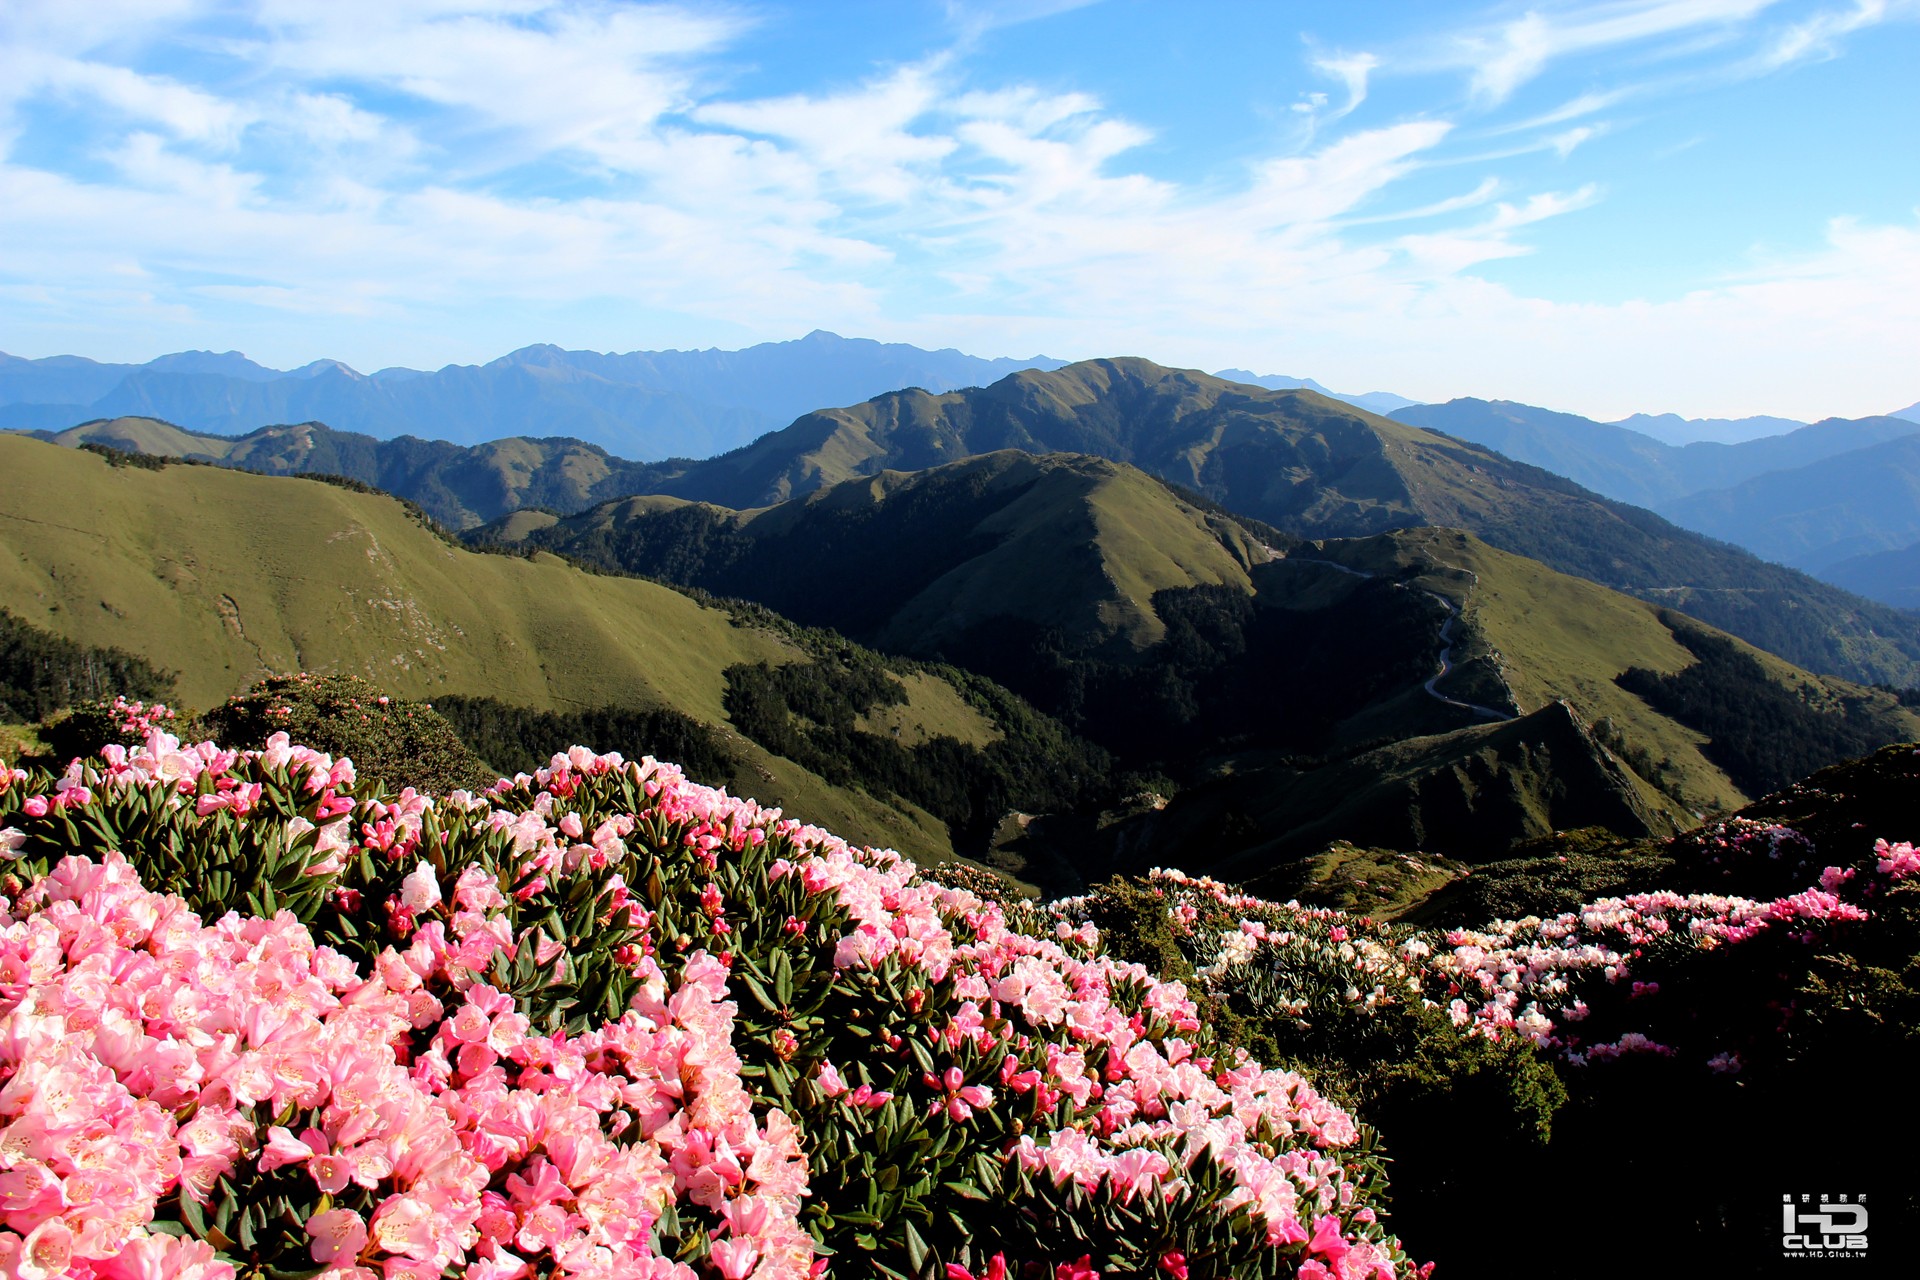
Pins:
x: 1446, y: 665
x: 1446, y: 644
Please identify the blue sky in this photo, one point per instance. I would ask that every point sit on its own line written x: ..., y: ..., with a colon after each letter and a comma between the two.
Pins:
x: 1702, y: 206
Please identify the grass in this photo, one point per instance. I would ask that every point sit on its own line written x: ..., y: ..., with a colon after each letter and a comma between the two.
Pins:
x: 1083, y: 549
x: 933, y: 709
x: 1385, y: 884
x: 147, y: 435
x: 225, y: 577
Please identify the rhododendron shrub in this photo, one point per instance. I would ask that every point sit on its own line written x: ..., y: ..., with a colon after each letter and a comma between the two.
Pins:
x: 1347, y: 1000
x: 600, y: 1021
x: 90, y: 725
x: 1587, y: 985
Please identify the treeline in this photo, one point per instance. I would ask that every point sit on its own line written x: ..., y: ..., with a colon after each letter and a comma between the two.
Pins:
x: 809, y: 713
x: 41, y: 672
x: 127, y: 457
x: 1763, y: 735
x: 521, y: 739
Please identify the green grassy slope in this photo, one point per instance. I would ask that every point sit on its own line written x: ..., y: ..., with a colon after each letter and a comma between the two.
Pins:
x: 224, y: 577
x: 1528, y: 636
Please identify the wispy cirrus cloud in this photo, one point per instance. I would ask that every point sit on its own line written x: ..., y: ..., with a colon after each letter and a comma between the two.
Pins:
x: 1822, y: 34
x: 1508, y: 54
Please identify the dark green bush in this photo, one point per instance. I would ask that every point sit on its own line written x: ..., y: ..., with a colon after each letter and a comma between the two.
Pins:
x: 406, y: 744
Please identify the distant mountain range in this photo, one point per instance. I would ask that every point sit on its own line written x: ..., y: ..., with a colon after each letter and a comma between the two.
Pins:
x: 1838, y: 490
x: 1671, y: 428
x: 643, y: 404
x: 1816, y: 515
x: 1372, y: 401
x: 460, y: 440
x: 1627, y: 464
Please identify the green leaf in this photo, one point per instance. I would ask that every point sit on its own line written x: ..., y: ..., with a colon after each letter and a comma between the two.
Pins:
x: 917, y: 1252
x: 759, y: 993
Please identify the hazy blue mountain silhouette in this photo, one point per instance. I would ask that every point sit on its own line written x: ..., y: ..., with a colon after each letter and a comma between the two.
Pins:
x: 640, y: 404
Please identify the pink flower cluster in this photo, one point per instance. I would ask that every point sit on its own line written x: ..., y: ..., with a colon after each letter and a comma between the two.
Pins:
x: 1060, y: 1022
x: 1522, y: 972
x: 1896, y: 861
x: 138, y: 719
x: 147, y: 1056
x: 1376, y: 966
x: 1529, y: 977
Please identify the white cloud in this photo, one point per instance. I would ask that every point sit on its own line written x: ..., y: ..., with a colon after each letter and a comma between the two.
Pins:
x: 1585, y: 104
x: 590, y: 79
x: 972, y: 19
x: 1504, y: 57
x: 1487, y: 190
x: 1351, y: 70
x: 859, y: 142
x: 1448, y: 253
x: 1819, y: 36
x: 1564, y: 143
x: 155, y: 101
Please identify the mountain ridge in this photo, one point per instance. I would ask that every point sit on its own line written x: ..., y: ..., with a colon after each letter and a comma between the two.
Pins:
x: 1167, y: 631
x: 1314, y: 467
x: 1293, y: 459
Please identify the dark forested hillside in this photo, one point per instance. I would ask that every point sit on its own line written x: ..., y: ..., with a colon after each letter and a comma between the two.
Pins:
x: 41, y: 672
x: 1762, y: 734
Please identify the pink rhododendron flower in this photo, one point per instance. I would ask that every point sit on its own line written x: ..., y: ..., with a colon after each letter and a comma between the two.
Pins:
x: 336, y: 1233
